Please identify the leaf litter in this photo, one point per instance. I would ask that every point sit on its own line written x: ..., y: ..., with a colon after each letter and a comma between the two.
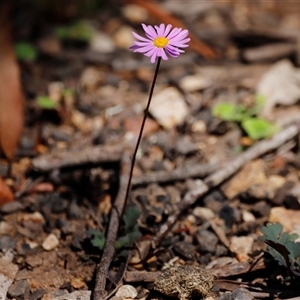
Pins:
x: 82, y: 162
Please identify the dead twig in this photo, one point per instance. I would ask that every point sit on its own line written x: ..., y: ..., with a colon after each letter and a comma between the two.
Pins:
x: 112, y: 231
x: 224, y: 173
x: 67, y: 158
x: 198, y: 171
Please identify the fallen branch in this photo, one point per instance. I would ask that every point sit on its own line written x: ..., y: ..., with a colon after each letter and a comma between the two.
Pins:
x: 112, y: 231
x: 224, y: 173
x: 198, y: 171
x: 67, y: 158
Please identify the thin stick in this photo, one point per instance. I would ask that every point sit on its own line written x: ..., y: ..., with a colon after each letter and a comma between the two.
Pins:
x: 224, y: 173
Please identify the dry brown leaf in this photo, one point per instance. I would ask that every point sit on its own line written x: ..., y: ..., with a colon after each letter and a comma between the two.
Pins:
x: 5, y: 193
x: 11, y: 97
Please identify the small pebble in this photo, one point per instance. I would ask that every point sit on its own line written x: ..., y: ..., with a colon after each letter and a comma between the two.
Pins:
x: 126, y: 291
x: 207, y: 241
x: 19, y: 290
x: 204, y: 213
x: 12, y: 207
x: 7, y: 242
x: 50, y: 242
x: 241, y: 244
x: 247, y: 216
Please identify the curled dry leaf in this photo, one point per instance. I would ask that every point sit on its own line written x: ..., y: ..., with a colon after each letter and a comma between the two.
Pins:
x: 11, y: 98
x: 5, y: 193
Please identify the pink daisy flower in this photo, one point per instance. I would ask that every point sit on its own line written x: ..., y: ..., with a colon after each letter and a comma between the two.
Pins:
x: 161, y: 40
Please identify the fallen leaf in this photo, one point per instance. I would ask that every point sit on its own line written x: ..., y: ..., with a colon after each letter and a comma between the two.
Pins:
x: 5, y: 193
x: 11, y: 97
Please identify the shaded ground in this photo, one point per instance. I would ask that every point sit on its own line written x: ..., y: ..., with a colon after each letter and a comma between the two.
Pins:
x: 67, y: 173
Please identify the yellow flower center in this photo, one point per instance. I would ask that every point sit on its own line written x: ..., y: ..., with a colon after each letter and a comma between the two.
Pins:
x: 161, y: 42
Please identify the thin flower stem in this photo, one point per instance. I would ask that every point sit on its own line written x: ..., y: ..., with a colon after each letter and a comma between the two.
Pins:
x: 141, y: 131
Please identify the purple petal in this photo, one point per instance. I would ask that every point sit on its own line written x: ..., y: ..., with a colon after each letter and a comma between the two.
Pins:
x: 137, y: 36
x: 178, y: 44
x: 162, y: 54
x: 154, y: 55
x: 149, y: 53
x: 144, y: 49
x: 134, y: 47
x: 168, y: 28
x: 160, y: 30
x: 174, y: 32
x: 172, y: 53
x: 150, y: 31
x: 143, y: 43
x: 181, y: 35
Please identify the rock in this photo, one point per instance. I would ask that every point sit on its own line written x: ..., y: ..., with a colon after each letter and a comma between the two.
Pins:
x: 279, y: 85
x: 102, y: 43
x: 50, y: 45
x: 55, y: 294
x: 184, y: 249
x: 123, y: 37
x: 203, y: 213
x: 193, y: 83
x: 242, y: 246
x: 91, y: 79
x: 241, y: 294
x: 35, y: 217
x: 38, y: 294
x: 207, y: 241
x: 135, y: 13
x: 261, y: 209
x: 169, y: 108
x: 5, y: 228
x: 19, y: 290
x: 82, y: 295
x: 126, y: 291
x: 12, y: 207
x: 247, y: 216
x: 252, y: 173
x: 74, y: 211
x: 7, y: 242
x: 8, y: 272
x: 288, y: 218
x: 50, y: 242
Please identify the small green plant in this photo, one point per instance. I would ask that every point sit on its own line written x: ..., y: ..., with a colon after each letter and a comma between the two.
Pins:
x: 46, y: 102
x: 80, y: 31
x: 25, y: 52
x: 283, y: 248
x: 129, y: 234
x: 255, y: 127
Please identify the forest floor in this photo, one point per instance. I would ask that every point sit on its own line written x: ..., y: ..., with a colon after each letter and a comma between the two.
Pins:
x: 204, y: 184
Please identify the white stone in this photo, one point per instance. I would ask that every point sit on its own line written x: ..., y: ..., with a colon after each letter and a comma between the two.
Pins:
x: 248, y: 216
x: 102, y: 43
x: 203, y: 213
x: 169, y: 108
x: 123, y: 38
x: 82, y: 295
x: 241, y: 244
x: 135, y: 13
x: 126, y: 291
x: 194, y: 83
x: 50, y: 242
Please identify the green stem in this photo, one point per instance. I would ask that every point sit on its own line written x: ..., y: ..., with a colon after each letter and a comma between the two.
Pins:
x: 141, y: 131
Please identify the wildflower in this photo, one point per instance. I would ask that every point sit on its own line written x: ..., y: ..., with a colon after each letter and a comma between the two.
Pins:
x: 161, y: 40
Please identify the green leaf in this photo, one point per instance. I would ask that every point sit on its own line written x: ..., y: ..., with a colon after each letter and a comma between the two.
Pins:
x: 128, y: 240
x: 98, y: 242
x: 259, y: 128
x: 79, y: 31
x: 130, y: 218
x: 229, y: 111
x: 272, y: 231
x: 46, y: 103
x: 25, y: 52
